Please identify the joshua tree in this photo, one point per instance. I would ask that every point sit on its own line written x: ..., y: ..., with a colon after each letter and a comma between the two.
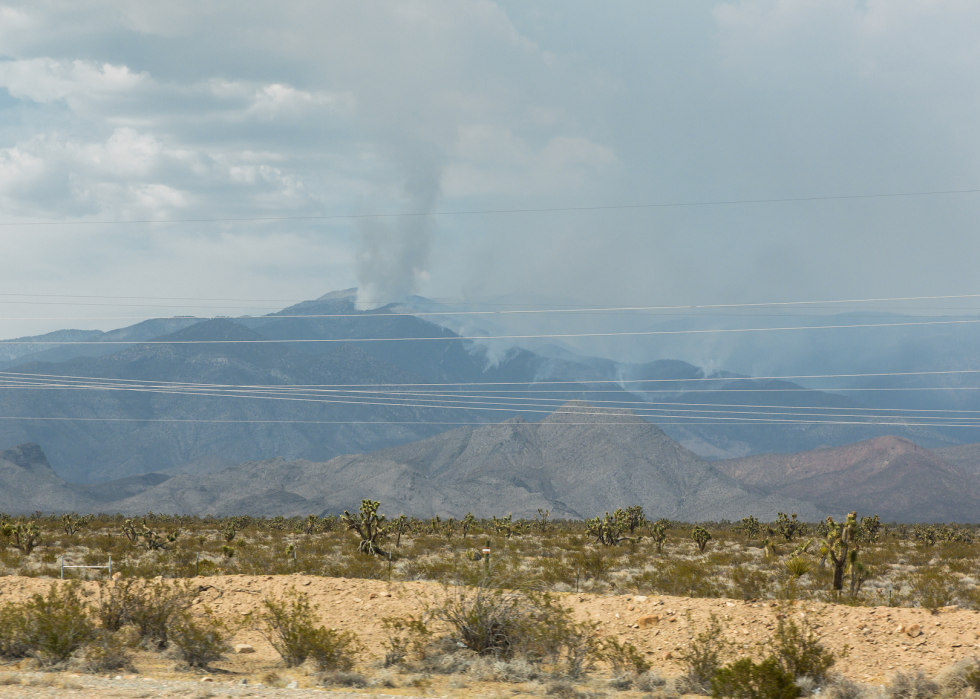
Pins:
x: 789, y: 527
x: 608, y: 530
x: 631, y: 518
x: 26, y: 536
x: 701, y: 537
x: 311, y: 525
x: 840, y: 539
x: 71, y: 523
x: 369, y: 525
x: 658, y: 530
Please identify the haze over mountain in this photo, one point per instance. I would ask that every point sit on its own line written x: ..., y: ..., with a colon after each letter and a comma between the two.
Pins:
x: 94, y: 434
x: 578, y: 462
x: 888, y: 476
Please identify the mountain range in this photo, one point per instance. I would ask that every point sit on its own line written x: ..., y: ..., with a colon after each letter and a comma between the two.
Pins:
x: 338, y: 356
x: 578, y: 462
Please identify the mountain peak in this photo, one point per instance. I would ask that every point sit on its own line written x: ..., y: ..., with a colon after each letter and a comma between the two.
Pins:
x: 28, y: 456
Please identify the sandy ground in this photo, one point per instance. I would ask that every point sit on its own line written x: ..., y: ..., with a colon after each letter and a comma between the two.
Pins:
x: 876, y: 645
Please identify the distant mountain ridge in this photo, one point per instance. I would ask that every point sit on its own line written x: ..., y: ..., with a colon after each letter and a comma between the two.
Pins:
x: 888, y: 476
x: 95, y: 436
x: 579, y: 462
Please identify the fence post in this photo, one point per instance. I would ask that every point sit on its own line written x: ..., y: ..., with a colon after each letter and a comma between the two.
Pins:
x: 62, y: 567
x: 110, y: 566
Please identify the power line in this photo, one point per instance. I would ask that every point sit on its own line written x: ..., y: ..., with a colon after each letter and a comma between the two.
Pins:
x: 638, y: 333
x: 260, y: 389
x: 784, y: 377
x: 475, y: 424
x: 454, y: 403
x: 474, y: 212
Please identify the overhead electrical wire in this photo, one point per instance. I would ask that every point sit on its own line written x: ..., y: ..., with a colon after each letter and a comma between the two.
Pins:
x: 477, y: 403
x: 474, y: 212
x: 445, y: 338
x: 782, y: 377
x: 107, y: 384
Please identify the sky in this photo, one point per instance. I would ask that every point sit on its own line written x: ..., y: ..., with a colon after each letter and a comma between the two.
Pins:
x: 122, y: 111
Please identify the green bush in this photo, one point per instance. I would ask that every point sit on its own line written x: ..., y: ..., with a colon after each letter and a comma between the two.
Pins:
x: 116, y: 601
x: 153, y: 607
x: 744, y: 679
x: 47, y: 628
x: 291, y: 628
x: 702, y: 658
x: 530, y: 625
x: 199, y: 642
x: 799, y: 653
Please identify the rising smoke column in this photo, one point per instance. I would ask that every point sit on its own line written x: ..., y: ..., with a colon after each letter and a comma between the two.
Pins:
x: 392, y: 254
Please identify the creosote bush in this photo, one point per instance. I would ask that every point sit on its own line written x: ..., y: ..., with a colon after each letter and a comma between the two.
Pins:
x: 745, y: 679
x: 798, y: 652
x: 153, y: 607
x: 291, y: 627
x: 702, y: 657
x: 199, y: 641
x: 48, y: 628
x: 523, y: 624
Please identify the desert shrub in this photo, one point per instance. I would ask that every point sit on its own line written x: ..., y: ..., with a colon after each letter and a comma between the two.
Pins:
x: 702, y: 658
x: 799, y: 653
x: 199, y: 641
x: 747, y: 582
x: 291, y: 628
x: 48, y: 628
x: 594, y: 563
x: 649, y: 682
x: 116, y: 600
x: 912, y: 685
x: 517, y: 670
x: 961, y: 678
x: 623, y: 658
x: 745, y: 679
x: 491, y: 622
x: 342, y: 679
x: 404, y: 635
x: 508, y: 624
x: 934, y: 587
x: 105, y: 652
x: 839, y: 687
x: 563, y: 690
x: 153, y: 607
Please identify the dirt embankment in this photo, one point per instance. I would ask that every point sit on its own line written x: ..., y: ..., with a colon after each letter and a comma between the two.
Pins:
x: 879, y: 641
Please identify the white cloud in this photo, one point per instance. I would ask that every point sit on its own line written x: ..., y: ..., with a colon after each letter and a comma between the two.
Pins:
x: 47, y: 80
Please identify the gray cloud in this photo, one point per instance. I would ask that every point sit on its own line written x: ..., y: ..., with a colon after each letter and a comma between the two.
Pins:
x: 115, y: 110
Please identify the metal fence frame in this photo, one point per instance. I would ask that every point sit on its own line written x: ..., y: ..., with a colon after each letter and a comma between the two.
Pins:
x: 106, y: 567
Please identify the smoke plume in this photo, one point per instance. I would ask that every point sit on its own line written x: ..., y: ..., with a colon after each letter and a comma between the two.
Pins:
x: 392, y: 254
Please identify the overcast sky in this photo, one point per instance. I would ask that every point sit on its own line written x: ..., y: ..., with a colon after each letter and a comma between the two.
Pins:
x: 116, y: 111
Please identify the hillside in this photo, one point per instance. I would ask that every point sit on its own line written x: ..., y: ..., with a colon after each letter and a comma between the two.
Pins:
x: 964, y: 456
x: 578, y: 462
x: 888, y: 476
